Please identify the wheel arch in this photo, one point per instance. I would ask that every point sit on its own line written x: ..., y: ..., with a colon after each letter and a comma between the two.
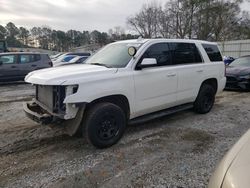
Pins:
x: 211, y: 81
x: 119, y: 100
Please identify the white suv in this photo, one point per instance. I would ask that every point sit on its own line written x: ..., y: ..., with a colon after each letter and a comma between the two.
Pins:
x: 126, y: 82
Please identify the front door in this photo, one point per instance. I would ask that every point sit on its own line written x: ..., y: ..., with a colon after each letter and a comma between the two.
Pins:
x: 9, y: 70
x: 155, y: 87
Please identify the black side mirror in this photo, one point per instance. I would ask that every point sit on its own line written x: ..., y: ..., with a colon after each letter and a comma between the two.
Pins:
x: 1, y: 62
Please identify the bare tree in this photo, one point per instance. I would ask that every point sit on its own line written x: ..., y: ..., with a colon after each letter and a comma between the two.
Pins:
x: 146, y: 22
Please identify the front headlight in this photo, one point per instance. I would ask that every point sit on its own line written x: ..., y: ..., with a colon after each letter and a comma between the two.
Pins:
x: 71, y: 89
x: 245, y: 77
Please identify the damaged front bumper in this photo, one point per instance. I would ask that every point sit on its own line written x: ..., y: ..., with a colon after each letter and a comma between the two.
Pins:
x: 38, y: 114
x: 41, y: 116
x: 48, y: 107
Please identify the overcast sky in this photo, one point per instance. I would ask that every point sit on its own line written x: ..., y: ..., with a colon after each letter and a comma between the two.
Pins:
x: 72, y: 14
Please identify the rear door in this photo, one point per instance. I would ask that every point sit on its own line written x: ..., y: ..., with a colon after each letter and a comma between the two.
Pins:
x: 9, y: 69
x: 28, y: 63
x: 187, y: 58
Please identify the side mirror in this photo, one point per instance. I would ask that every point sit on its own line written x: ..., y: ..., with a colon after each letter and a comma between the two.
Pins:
x: 148, y: 62
x: 1, y: 62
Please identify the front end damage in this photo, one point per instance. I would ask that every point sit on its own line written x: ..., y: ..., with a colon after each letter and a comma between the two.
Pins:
x: 48, y: 107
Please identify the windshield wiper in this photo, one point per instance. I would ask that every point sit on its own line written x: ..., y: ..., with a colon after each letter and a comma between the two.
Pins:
x: 100, y: 64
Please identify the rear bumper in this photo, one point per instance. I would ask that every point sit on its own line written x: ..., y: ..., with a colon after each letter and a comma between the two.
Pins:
x: 37, y: 114
x: 221, y: 84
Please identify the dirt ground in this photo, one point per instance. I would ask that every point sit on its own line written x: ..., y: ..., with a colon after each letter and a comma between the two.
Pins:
x: 178, y: 151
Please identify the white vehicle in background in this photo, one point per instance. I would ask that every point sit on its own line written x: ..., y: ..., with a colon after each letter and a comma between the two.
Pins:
x: 75, y: 60
x: 63, y: 59
x: 53, y: 57
x: 233, y: 170
x: 61, y: 55
x: 127, y: 82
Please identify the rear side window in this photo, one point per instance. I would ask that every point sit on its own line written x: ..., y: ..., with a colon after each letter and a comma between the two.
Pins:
x: 37, y: 57
x: 160, y: 52
x: 28, y: 58
x: 213, y: 52
x: 185, y: 53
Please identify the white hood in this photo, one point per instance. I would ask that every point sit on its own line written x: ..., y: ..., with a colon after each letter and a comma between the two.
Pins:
x: 64, y: 75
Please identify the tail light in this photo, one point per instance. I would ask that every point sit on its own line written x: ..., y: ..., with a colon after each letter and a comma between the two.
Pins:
x: 50, y: 63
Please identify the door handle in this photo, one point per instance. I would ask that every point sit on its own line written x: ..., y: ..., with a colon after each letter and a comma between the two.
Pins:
x: 171, y: 75
x: 199, y: 71
x: 13, y: 66
x: 33, y: 65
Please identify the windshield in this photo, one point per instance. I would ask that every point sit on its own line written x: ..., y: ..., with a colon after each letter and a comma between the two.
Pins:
x: 113, y: 55
x: 241, y: 62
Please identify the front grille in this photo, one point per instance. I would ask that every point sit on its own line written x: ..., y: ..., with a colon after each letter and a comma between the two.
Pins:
x: 51, y: 97
x: 44, y: 94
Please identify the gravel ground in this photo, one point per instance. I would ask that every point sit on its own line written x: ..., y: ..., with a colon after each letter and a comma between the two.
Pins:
x: 178, y: 151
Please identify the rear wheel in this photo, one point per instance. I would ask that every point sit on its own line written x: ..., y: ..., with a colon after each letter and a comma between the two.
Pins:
x: 205, y: 99
x: 104, y: 124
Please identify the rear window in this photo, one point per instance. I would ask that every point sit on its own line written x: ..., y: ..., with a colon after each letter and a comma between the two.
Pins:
x: 213, y: 52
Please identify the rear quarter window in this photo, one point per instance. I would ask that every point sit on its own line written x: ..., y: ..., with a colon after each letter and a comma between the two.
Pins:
x: 213, y: 52
x: 37, y: 57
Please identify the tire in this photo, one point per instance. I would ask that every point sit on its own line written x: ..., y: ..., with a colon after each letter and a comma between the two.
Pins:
x: 104, y: 125
x: 205, y: 99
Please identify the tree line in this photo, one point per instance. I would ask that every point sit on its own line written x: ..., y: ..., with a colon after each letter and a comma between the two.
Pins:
x: 213, y: 20
x: 57, y: 40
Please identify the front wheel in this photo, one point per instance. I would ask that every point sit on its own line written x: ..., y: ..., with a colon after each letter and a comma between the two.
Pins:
x: 104, y: 124
x: 205, y: 99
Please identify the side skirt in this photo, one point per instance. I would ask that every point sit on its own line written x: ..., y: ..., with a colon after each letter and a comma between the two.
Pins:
x: 162, y: 113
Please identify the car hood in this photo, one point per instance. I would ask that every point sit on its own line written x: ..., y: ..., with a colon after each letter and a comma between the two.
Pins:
x: 239, y: 71
x: 234, y: 167
x: 238, y: 172
x: 67, y: 75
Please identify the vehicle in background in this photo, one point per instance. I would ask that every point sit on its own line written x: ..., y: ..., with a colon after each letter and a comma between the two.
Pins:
x: 63, y: 59
x: 233, y: 170
x: 228, y: 59
x: 71, y: 53
x: 75, y: 60
x: 127, y: 81
x: 15, y: 66
x: 3, y: 46
x: 238, y: 74
x: 56, y: 56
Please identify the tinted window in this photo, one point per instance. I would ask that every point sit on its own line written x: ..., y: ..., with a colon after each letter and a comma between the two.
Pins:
x: 28, y: 58
x: 160, y: 52
x: 1, y: 45
x: 213, y: 52
x: 37, y: 57
x: 185, y: 53
x: 8, y: 59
